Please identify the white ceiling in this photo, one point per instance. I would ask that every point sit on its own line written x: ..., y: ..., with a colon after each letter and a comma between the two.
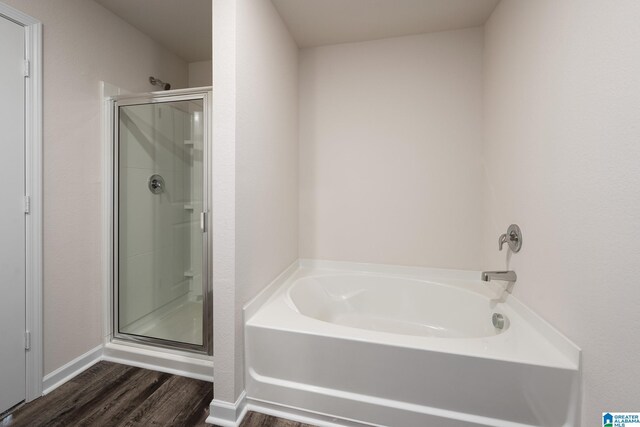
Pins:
x: 320, y: 22
x: 182, y: 26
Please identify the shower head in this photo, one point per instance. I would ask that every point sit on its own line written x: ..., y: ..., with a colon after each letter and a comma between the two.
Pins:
x: 158, y: 82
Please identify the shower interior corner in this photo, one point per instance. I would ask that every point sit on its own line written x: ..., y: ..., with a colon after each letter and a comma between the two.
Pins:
x: 160, y: 282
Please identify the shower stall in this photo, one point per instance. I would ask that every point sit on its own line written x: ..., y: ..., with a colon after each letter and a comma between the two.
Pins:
x: 160, y: 279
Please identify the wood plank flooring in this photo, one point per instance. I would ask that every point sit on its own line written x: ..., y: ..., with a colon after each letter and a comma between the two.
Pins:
x: 110, y: 394
x: 254, y: 419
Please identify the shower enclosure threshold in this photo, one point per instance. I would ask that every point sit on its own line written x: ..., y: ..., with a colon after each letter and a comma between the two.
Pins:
x: 176, y: 362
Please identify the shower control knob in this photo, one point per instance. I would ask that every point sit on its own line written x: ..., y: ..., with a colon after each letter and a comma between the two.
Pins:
x: 156, y: 184
x: 513, y: 237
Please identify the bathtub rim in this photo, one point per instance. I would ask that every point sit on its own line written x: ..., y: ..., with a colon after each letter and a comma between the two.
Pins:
x: 280, y: 285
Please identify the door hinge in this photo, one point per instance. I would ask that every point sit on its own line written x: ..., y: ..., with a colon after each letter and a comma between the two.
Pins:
x: 27, y: 68
x: 27, y: 204
x: 27, y: 340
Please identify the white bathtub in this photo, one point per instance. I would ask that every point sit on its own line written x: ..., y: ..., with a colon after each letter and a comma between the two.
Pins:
x: 352, y: 344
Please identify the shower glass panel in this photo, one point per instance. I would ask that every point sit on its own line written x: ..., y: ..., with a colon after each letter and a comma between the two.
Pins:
x: 160, y: 238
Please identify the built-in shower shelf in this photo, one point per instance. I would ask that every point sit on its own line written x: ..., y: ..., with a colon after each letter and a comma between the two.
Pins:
x: 188, y: 142
x: 188, y: 273
x: 188, y: 207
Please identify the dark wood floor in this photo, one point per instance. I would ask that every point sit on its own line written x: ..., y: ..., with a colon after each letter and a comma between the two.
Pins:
x: 254, y: 419
x: 110, y: 394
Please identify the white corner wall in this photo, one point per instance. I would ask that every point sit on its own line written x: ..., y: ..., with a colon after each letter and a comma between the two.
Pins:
x: 83, y: 44
x: 266, y: 153
x: 266, y: 147
x: 255, y: 147
x: 390, y: 150
x: 223, y: 176
x: 562, y: 159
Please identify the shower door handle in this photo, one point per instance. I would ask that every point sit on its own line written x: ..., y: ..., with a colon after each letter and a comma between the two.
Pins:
x: 203, y: 221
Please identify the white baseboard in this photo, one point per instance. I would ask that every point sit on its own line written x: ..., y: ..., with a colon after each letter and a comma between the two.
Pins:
x: 300, y: 415
x: 200, y: 368
x: 64, y: 373
x: 227, y: 414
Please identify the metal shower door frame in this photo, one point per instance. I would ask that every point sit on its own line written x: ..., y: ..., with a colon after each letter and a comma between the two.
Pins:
x: 205, y: 95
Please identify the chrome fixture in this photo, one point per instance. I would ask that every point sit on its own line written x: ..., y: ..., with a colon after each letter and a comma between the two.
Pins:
x: 513, y: 237
x: 158, y: 82
x: 498, y: 320
x: 156, y: 184
x: 509, y: 276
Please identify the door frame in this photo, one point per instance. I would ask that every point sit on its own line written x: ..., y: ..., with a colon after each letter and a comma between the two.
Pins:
x: 33, y: 190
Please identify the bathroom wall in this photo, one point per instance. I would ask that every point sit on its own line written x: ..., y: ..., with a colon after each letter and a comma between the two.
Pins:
x: 255, y: 115
x: 390, y: 150
x: 83, y: 44
x: 223, y: 213
x: 266, y: 152
x: 266, y: 148
x: 200, y: 73
x: 562, y: 159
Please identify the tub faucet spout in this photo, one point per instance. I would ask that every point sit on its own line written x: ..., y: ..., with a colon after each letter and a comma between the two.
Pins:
x: 509, y: 276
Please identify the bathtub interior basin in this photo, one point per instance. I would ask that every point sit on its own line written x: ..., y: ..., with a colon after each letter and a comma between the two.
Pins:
x: 395, y: 305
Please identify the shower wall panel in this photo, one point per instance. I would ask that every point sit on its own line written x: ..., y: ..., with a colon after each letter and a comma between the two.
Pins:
x: 156, y: 230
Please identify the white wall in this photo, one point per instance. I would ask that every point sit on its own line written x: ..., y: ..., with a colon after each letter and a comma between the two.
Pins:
x: 266, y: 147
x: 390, y: 149
x: 562, y: 159
x: 266, y: 152
x: 223, y: 185
x: 200, y: 73
x: 255, y: 74
x: 83, y: 44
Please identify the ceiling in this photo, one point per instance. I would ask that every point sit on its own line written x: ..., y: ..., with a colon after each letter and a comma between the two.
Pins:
x: 181, y: 26
x: 321, y: 22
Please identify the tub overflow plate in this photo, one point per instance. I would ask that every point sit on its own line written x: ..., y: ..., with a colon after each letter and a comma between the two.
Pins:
x: 498, y: 320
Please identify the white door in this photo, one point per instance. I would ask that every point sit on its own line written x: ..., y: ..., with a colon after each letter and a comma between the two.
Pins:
x: 12, y: 217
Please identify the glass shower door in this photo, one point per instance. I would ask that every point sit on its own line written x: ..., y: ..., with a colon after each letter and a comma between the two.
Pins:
x: 160, y: 237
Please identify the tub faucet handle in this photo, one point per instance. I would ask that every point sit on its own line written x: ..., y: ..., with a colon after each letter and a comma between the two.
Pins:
x: 513, y: 237
x: 501, y: 240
